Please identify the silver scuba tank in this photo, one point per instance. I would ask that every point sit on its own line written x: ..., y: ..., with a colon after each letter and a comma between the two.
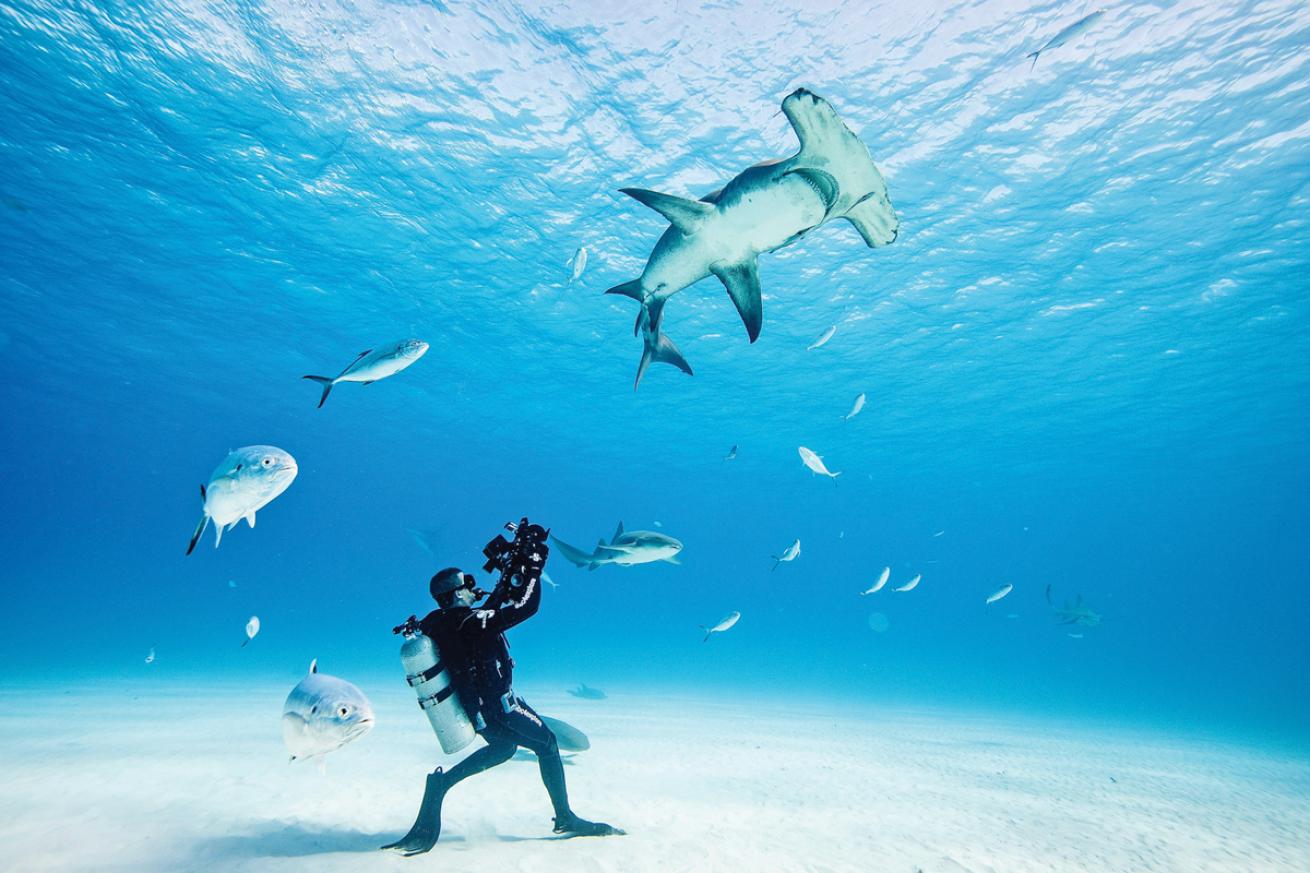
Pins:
x: 431, y: 680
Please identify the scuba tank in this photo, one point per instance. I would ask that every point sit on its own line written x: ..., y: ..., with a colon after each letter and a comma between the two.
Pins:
x: 434, y: 686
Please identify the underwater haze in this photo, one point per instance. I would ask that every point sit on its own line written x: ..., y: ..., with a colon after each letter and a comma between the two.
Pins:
x: 1085, y: 362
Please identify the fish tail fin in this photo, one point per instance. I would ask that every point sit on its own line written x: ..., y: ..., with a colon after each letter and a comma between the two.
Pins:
x: 707, y: 633
x: 776, y: 562
x: 200, y: 528
x: 243, y: 645
x: 327, y: 382
x: 1034, y: 57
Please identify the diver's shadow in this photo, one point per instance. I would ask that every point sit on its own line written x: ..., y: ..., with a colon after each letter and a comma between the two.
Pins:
x: 274, y: 839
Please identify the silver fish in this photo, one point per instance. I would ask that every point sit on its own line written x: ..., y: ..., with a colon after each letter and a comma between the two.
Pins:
x: 374, y: 364
x: 823, y: 340
x: 911, y: 585
x: 790, y: 553
x: 252, y: 628
x: 245, y: 482
x: 882, y: 580
x: 322, y: 714
x: 1000, y: 592
x: 855, y: 409
x: 1073, y: 30
x: 579, y: 263
x: 728, y: 621
x: 815, y: 463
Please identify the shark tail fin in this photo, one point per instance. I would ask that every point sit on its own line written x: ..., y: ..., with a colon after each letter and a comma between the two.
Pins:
x: 661, y: 349
x: 327, y: 382
x: 874, y: 218
x: 574, y: 555
x: 686, y: 215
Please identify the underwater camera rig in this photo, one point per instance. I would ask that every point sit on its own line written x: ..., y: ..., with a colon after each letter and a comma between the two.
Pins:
x: 520, y: 559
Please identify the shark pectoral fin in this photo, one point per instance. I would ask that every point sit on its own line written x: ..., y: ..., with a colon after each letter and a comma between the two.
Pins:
x: 250, y: 518
x: 743, y: 284
x: 673, y: 559
x: 875, y: 219
x: 822, y: 182
x: 628, y: 289
x: 218, y: 534
x: 200, y: 528
x: 686, y: 215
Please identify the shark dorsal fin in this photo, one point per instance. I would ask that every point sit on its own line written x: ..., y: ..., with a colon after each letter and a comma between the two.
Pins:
x: 617, y: 533
x: 313, y: 666
x: 686, y: 215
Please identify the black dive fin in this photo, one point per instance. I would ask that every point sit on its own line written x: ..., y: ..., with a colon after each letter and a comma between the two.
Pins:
x: 327, y: 383
x: 686, y: 215
x: 743, y: 284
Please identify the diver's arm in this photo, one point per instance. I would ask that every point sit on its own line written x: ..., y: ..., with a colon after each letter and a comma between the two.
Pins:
x: 511, y: 605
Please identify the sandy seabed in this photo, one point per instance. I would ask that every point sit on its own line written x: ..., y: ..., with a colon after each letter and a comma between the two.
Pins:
x: 159, y: 777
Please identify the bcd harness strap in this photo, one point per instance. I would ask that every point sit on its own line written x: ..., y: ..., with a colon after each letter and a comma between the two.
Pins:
x: 429, y: 673
x: 434, y: 699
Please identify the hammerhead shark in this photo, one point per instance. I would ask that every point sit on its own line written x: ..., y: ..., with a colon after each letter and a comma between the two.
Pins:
x: 764, y: 208
x: 1078, y: 614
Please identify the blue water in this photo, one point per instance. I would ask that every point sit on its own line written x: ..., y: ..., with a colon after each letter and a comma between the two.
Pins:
x: 1087, y: 357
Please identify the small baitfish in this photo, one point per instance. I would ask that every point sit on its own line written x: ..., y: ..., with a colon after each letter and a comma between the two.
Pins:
x: 579, y: 263
x: 823, y: 340
x: 815, y: 463
x: 728, y: 621
x: 245, y: 481
x: 882, y: 580
x: 732, y: 453
x: 252, y: 628
x: 374, y: 364
x: 790, y: 553
x: 999, y: 593
x: 1076, y: 29
x: 150, y: 658
x: 322, y: 714
x: 855, y: 409
x: 911, y: 585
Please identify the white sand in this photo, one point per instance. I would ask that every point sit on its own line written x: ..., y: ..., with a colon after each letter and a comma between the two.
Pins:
x: 147, y: 778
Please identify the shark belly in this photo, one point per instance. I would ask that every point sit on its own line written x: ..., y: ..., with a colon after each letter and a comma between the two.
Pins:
x: 769, y: 216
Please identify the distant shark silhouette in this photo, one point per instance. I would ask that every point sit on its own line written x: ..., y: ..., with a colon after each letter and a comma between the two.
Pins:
x: 764, y: 208
x: 1078, y: 614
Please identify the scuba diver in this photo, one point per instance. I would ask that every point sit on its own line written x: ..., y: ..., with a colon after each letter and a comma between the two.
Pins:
x: 470, y: 647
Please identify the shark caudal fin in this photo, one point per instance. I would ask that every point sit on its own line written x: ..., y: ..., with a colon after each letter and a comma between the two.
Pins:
x: 659, y: 347
x: 573, y: 554
x: 327, y: 382
x: 875, y: 219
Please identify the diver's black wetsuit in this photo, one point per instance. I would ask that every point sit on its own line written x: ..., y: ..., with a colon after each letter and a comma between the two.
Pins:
x: 472, y: 642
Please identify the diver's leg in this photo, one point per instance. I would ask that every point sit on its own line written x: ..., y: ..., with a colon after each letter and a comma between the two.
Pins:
x: 427, y: 827
x: 530, y: 732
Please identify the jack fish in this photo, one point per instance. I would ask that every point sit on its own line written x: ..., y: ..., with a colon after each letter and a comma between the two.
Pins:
x: 245, y: 482
x: 322, y: 714
x: 374, y: 364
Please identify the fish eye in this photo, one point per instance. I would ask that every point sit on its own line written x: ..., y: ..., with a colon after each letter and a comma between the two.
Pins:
x: 268, y: 461
x: 343, y: 711
x: 314, y: 711
x: 239, y: 466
